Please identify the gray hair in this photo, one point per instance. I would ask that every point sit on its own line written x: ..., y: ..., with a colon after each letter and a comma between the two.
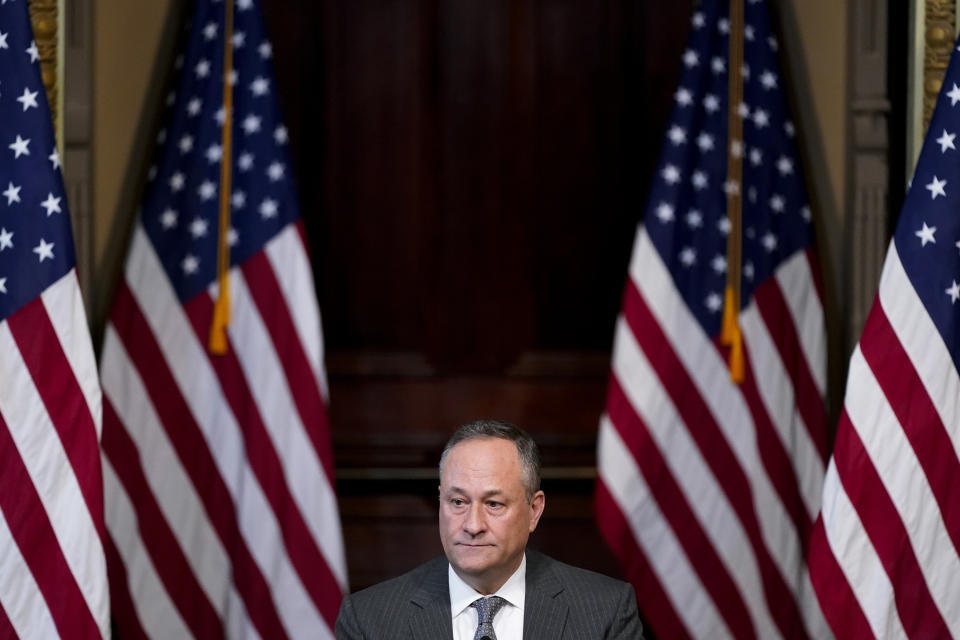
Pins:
x: 527, y: 449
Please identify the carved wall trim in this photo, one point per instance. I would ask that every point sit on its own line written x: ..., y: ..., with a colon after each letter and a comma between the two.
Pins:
x: 940, y: 21
x: 869, y: 157
x: 933, y: 30
x: 45, y: 17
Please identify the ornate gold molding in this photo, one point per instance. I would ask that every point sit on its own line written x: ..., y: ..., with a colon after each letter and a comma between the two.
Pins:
x: 933, y: 28
x: 940, y: 19
x: 45, y: 16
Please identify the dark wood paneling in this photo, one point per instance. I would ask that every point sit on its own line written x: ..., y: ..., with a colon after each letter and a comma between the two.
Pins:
x: 471, y: 174
x: 391, y: 526
x: 404, y: 422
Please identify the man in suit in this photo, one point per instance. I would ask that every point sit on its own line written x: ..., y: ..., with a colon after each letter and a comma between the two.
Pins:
x: 488, y: 584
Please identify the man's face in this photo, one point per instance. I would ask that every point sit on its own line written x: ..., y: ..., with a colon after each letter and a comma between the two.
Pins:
x: 485, y: 519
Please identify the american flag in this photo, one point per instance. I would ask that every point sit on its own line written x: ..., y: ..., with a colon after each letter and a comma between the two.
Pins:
x: 218, y: 473
x: 884, y: 553
x: 708, y: 489
x: 53, y: 577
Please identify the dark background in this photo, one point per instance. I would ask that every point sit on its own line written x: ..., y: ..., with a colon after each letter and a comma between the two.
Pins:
x: 471, y: 173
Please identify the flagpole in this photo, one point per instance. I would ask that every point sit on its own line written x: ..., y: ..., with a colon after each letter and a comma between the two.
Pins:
x: 221, y: 308
x: 730, y: 334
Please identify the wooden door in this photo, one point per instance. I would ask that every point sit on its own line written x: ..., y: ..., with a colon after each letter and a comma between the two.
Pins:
x: 471, y: 174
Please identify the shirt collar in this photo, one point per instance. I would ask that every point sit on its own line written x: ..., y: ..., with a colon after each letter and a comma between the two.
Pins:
x: 513, y: 590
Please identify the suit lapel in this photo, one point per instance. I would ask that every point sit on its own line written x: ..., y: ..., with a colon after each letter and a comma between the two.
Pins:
x: 544, y: 609
x: 430, y: 617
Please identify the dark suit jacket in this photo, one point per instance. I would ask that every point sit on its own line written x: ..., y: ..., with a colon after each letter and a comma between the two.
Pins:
x: 562, y: 603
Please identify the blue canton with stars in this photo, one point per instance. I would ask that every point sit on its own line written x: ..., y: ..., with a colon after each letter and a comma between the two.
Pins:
x: 928, y: 230
x: 686, y: 215
x: 181, y: 209
x: 36, y: 244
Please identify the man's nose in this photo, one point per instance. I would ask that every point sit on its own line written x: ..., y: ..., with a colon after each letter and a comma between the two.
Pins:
x: 474, y: 523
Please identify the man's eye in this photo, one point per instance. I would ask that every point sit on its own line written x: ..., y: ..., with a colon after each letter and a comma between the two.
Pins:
x: 494, y: 504
x: 457, y: 502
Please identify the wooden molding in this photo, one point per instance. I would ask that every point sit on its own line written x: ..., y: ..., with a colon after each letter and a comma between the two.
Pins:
x: 415, y: 364
x: 402, y: 474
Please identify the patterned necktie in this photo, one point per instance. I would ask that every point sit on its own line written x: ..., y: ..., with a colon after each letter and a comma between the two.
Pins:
x: 487, y: 608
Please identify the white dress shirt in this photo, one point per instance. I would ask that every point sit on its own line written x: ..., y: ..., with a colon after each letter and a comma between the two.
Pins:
x: 508, y: 623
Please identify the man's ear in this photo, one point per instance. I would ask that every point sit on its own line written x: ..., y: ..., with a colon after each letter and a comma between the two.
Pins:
x: 537, y: 503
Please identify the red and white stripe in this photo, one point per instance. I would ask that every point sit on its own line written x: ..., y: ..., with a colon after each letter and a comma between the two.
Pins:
x: 708, y: 490
x: 222, y: 516
x: 885, y: 558
x: 52, y: 557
